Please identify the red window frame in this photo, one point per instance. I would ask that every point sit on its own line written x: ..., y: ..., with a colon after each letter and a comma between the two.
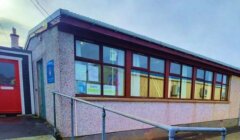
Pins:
x: 222, y: 84
x: 181, y: 77
x: 100, y: 62
x: 148, y: 71
x: 128, y: 67
x: 205, y: 81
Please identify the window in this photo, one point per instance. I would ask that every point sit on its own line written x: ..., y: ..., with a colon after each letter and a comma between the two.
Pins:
x: 203, y: 85
x: 88, y: 79
x: 175, y: 68
x: 7, y: 74
x: 100, y: 71
x: 139, y: 83
x: 180, y: 81
x: 87, y: 50
x: 147, y: 81
x: 110, y: 68
x: 221, y: 87
x: 156, y: 77
x: 157, y: 65
x: 140, y: 61
x: 113, y: 56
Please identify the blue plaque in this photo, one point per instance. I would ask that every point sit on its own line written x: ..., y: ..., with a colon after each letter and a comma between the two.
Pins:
x: 50, y: 72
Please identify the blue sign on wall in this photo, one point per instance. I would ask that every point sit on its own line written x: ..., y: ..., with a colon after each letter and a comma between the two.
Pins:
x: 50, y: 72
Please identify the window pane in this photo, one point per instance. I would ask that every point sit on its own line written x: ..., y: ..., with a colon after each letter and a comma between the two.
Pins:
x: 200, y: 74
x: 219, y: 77
x: 186, y: 88
x: 224, y: 79
x: 156, y: 85
x: 87, y: 50
x: 187, y: 71
x: 113, y: 81
x: 208, y: 76
x: 217, y: 92
x: 139, y: 83
x: 175, y: 68
x: 113, y: 56
x: 7, y: 74
x: 157, y: 65
x: 224, y: 93
x: 199, y: 93
x: 88, y: 77
x: 208, y: 91
x: 139, y: 61
x: 174, y: 87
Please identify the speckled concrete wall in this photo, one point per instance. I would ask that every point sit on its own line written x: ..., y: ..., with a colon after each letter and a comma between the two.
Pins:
x: 59, y: 46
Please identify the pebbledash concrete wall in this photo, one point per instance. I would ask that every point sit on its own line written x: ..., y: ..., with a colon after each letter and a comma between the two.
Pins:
x: 59, y: 46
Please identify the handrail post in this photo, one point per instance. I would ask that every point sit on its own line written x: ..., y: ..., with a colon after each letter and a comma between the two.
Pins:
x: 54, y: 114
x: 72, y: 119
x: 103, y: 124
x: 171, y: 134
x: 224, y: 133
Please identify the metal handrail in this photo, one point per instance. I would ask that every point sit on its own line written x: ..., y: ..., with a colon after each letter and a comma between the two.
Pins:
x: 172, y: 130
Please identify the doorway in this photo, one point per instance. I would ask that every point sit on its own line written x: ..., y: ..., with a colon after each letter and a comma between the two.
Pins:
x: 41, y: 91
x: 10, y: 97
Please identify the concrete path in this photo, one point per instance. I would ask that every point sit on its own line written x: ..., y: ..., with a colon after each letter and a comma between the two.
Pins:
x: 22, y: 127
x: 233, y: 136
x: 44, y: 137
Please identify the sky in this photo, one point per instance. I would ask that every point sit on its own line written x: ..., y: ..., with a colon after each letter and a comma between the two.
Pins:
x: 207, y: 27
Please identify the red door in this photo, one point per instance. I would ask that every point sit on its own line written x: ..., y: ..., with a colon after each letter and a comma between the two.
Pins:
x: 10, y: 99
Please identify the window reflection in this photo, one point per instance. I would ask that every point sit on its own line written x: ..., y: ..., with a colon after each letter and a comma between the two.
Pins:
x: 140, y: 61
x: 200, y: 74
x: 199, y: 90
x: 156, y: 85
x: 208, y: 90
x: 187, y: 71
x: 139, y: 83
x: 186, y: 88
x: 174, y: 87
x: 156, y: 65
x: 224, y: 93
x: 217, y: 93
x: 87, y: 50
x: 175, y: 68
x: 113, y: 56
x: 113, y: 81
x: 7, y: 74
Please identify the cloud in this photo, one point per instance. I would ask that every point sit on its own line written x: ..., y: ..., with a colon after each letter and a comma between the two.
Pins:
x: 6, y: 29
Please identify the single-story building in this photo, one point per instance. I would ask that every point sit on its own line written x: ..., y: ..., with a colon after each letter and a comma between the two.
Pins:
x: 16, y: 82
x: 131, y: 73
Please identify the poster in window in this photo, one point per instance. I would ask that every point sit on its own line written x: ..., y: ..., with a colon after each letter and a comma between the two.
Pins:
x: 109, y: 90
x: 80, y: 72
x: 113, y: 55
x: 50, y: 72
x: 93, y: 89
x: 81, y: 87
x: 93, y: 74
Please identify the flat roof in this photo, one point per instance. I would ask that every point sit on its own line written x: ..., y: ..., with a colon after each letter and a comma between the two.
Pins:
x: 63, y: 12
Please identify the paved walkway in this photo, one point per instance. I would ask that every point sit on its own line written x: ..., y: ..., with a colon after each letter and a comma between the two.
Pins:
x: 22, y: 127
x: 233, y: 136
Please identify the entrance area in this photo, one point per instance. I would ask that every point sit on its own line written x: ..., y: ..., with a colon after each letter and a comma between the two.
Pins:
x: 41, y: 92
x: 10, y: 97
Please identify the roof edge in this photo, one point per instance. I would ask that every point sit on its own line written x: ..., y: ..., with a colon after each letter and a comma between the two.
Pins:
x: 67, y: 13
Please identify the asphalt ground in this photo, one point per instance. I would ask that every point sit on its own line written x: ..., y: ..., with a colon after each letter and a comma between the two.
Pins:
x: 23, y: 126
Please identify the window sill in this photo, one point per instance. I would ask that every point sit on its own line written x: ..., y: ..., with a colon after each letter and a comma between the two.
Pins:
x: 149, y: 100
